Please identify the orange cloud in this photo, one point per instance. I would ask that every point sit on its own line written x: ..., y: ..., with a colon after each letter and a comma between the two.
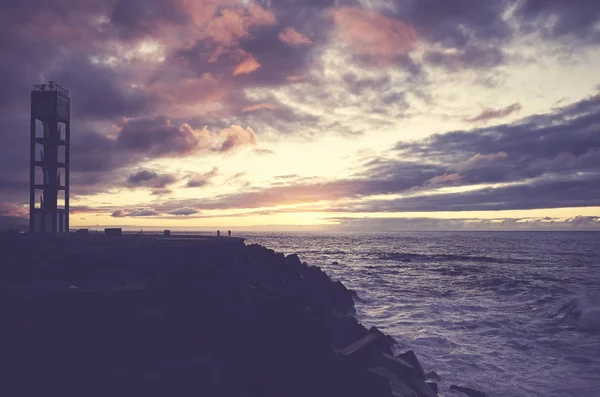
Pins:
x: 236, y: 136
x: 259, y: 106
x: 292, y: 37
x: 489, y: 113
x: 236, y: 22
x: 249, y: 65
x: 12, y: 209
x: 482, y: 160
x: 295, y: 79
x: 373, y: 35
x: 444, y: 179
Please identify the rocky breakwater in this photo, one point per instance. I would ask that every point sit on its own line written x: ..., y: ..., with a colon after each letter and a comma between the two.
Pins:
x: 179, y: 320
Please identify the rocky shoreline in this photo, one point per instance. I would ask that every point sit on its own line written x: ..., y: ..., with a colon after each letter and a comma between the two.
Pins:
x: 219, y: 318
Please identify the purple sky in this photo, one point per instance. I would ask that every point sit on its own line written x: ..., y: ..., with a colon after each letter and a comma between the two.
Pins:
x: 352, y: 114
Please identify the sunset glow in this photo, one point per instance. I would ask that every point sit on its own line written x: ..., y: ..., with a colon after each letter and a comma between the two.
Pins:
x: 257, y: 114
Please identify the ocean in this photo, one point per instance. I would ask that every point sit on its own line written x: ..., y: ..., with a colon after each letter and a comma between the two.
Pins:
x: 515, y: 314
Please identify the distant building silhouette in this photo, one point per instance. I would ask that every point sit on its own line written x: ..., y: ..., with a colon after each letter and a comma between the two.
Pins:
x: 49, y: 159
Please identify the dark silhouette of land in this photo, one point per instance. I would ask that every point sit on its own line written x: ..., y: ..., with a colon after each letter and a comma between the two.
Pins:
x: 148, y: 315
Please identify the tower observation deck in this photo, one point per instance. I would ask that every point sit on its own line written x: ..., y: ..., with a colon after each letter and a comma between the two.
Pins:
x: 49, y: 159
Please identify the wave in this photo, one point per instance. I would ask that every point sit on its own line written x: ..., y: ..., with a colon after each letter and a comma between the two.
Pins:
x: 408, y: 257
x: 580, y: 310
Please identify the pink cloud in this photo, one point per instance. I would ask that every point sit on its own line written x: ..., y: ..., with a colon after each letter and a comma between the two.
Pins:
x: 11, y: 209
x: 236, y: 136
x: 247, y: 66
x: 482, y: 160
x: 295, y: 79
x: 370, y: 34
x: 292, y: 37
x: 259, y: 106
x: 235, y: 23
x: 489, y: 113
x: 442, y: 179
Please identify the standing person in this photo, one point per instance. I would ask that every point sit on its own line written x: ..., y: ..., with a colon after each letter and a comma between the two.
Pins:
x: 218, y: 233
x: 229, y: 233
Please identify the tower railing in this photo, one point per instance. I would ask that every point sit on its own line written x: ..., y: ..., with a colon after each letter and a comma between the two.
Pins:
x: 52, y: 87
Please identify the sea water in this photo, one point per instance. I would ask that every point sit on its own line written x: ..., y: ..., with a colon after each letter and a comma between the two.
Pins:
x: 511, y: 313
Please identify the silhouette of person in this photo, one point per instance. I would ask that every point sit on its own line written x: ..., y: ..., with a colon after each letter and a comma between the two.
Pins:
x: 229, y: 233
x: 218, y: 233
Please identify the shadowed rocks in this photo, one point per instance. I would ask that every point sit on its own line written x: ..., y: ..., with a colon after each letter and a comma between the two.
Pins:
x: 93, y: 316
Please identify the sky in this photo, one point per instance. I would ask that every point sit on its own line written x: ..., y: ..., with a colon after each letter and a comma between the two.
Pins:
x: 312, y: 114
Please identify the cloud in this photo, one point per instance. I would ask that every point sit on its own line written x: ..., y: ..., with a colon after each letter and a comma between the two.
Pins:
x: 489, y: 113
x: 158, y: 137
x: 443, y: 179
x: 372, y: 35
x: 292, y: 37
x: 470, y: 57
x: 482, y: 160
x: 564, y: 141
x: 556, y: 18
x: 263, y: 152
x: 235, y: 137
x: 557, y: 192
x: 248, y: 65
x: 13, y: 210
x: 200, y: 180
x: 521, y: 165
x: 235, y: 23
x: 134, y: 213
x: 259, y: 106
x: 149, y: 178
x: 184, y: 211
x: 457, y: 24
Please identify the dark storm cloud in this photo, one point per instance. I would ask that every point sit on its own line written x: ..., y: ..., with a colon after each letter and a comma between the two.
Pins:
x: 457, y: 23
x: 94, y: 152
x: 184, y: 211
x: 149, y: 178
x: 158, y: 137
x: 558, y: 18
x: 138, y: 18
x: 55, y: 39
x: 546, y: 193
x: 99, y: 92
x: 565, y: 141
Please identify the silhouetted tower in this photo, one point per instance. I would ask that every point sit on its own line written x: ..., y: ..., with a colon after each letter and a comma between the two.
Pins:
x: 49, y: 159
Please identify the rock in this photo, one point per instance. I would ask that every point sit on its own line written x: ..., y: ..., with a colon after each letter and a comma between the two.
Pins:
x: 432, y: 376
x: 401, y: 367
x: 468, y: 391
x: 293, y: 260
x: 422, y: 388
x: 434, y: 386
x: 399, y: 387
x: 412, y: 359
x: 346, y: 330
x: 371, y: 384
x: 368, y: 350
x: 371, y: 337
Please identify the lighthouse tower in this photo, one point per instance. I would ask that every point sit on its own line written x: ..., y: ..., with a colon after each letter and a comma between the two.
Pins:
x: 49, y: 159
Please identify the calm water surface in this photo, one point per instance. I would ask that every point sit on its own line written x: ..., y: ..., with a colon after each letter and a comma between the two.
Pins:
x: 512, y: 313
